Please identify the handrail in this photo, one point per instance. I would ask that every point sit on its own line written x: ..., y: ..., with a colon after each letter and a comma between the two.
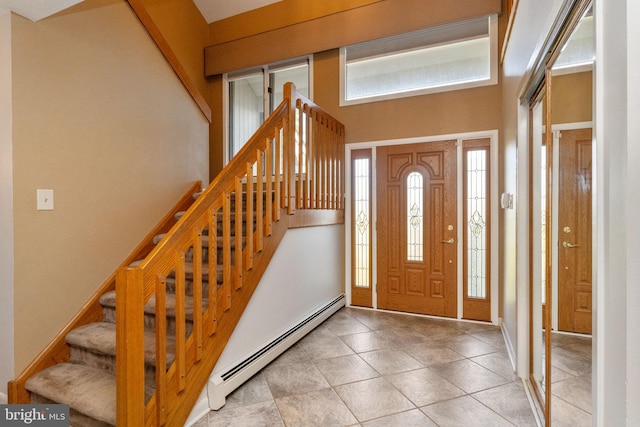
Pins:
x: 294, y: 161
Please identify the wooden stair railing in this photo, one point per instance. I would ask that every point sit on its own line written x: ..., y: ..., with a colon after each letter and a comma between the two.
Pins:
x: 58, y: 350
x: 295, y: 161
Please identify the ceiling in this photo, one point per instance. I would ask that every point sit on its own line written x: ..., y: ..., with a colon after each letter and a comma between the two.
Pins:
x: 212, y: 10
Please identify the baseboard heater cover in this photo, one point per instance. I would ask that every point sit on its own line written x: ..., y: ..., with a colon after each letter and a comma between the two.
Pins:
x: 221, y: 385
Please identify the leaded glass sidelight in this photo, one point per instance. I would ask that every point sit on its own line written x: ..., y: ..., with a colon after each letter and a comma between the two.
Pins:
x: 362, y: 222
x: 476, y: 219
x: 415, y: 217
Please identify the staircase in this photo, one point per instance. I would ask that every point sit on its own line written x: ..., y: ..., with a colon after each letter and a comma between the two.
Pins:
x: 87, y: 382
x: 142, y: 349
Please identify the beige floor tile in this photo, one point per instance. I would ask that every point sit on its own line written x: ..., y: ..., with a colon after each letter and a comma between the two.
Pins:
x: 424, y: 387
x: 345, y: 369
x: 469, y: 376
x: 390, y: 361
x: 253, y: 391
x: 325, y: 348
x: 264, y: 414
x: 499, y: 363
x: 510, y: 401
x: 345, y: 325
x: 438, y: 331
x: 413, y: 418
x: 403, y: 336
x: 287, y: 379
x: 367, y: 341
x: 464, y: 411
x: 433, y: 353
x: 317, y: 408
x: 568, y: 362
x: 575, y: 391
x: 468, y: 346
x: 564, y: 414
x: 373, y: 398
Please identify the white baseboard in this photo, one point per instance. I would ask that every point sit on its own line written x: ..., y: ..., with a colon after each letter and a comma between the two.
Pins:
x: 510, y: 350
x: 4, y: 399
x: 221, y: 385
x: 200, y: 409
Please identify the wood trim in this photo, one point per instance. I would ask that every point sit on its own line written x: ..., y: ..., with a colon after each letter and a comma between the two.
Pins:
x: 376, y: 20
x: 147, y: 21
x: 314, y: 217
x: 58, y: 351
x: 276, y: 15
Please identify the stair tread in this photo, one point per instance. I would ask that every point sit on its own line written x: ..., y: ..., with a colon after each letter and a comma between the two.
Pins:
x: 89, y: 391
x: 108, y: 299
x: 205, y: 240
x: 100, y: 337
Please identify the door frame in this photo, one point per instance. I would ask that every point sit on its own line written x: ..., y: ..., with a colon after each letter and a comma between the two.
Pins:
x: 492, y: 135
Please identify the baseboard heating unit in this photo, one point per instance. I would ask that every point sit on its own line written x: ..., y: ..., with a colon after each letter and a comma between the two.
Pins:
x: 221, y: 385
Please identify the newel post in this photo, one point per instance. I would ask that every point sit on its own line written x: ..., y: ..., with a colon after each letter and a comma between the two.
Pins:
x: 130, y: 347
x: 290, y: 147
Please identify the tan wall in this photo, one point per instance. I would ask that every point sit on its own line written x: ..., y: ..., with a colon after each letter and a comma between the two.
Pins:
x: 100, y: 118
x: 436, y: 114
x: 186, y: 32
x: 572, y: 99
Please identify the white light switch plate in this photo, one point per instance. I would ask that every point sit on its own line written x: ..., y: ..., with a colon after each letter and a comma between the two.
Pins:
x: 45, y: 200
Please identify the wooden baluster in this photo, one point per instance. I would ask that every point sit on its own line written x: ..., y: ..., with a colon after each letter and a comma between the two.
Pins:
x: 268, y: 188
x: 130, y: 347
x: 277, y: 177
x: 290, y: 148
x: 226, y: 251
x: 213, y: 270
x: 250, y: 212
x: 238, y: 233
x: 161, y: 353
x: 197, y: 292
x: 300, y: 146
x: 259, y: 236
x: 307, y: 158
x: 317, y: 160
x: 180, y: 361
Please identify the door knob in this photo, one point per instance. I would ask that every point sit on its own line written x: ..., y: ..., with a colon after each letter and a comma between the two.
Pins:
x: 569, y: 245
x: 448, y: 241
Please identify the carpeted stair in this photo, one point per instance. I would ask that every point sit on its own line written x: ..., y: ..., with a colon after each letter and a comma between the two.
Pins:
x: 87, y: 382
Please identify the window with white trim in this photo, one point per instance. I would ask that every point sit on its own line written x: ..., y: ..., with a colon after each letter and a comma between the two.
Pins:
x: 253, y: 92
x: 448, y: 57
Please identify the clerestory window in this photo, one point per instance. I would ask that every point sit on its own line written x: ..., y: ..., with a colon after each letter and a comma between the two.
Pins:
x: 448, y: 57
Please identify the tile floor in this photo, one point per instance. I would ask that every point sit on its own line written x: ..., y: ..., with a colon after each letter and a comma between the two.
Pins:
x: 571, y: 380
x: 367, y: 368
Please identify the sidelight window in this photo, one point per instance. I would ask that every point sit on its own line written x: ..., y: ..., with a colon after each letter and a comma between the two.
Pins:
x: 477, y: 230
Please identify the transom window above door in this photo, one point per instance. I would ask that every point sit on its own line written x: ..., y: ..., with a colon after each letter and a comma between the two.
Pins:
x: 448, y: 57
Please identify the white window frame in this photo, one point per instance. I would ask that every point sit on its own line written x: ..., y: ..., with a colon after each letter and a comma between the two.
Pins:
x: 491, y: 80
x: 265, y: 70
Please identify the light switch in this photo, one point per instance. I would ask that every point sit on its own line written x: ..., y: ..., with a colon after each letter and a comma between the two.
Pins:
x: 45, y: 200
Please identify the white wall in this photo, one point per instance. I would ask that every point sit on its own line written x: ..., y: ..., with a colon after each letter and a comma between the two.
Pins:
x: 533, y: 21
x: 6, y: 207
x: 617, y: 379
x: 306, y: 272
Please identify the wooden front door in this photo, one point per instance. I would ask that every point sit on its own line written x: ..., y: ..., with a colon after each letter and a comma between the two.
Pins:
x: 416, y: 207
x: 574, y: 233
